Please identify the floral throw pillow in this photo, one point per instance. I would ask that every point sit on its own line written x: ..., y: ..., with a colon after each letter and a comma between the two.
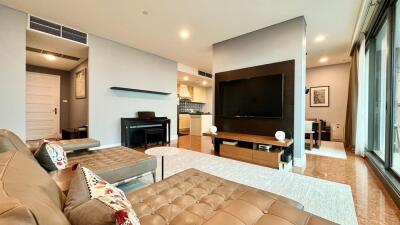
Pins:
x: 91, y: 196
x: 111, y: 196
x: 51, y: 156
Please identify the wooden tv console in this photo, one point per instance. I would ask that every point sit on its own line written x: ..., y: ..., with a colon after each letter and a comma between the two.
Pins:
x: 247, y: 148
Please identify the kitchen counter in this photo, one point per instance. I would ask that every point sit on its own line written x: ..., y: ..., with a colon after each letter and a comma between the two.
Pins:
x: 195, y: 123
x: 200, y: 123
x: 194, y: 113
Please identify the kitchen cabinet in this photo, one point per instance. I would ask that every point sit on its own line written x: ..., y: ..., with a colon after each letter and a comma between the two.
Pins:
x: 184, y: 122
x: 200, y: 124
x: 196, y: 94
x: 199, y: 94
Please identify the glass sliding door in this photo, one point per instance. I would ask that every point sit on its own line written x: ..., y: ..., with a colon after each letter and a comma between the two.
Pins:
x: 396, y: 96
x: 382, y: 61
x: 377, y: 60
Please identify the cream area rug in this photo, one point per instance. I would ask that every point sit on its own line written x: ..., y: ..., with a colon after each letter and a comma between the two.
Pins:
x: 329, y: 149
x: 326, y: 199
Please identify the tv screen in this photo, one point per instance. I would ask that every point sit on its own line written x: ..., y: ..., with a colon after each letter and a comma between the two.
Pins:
x: 254, y: 97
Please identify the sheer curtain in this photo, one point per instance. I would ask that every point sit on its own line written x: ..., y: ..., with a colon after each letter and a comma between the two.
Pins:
x: 362, y: 102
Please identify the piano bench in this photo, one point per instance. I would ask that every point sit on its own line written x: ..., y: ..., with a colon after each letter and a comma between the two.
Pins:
x: 153, y: 131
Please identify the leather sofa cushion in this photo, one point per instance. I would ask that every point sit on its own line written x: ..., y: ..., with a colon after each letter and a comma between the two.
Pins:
x: 12, y: 212
x: 115, y: 164
x: 11, y: 142
x: 195, y: 197
x: 29, y: 192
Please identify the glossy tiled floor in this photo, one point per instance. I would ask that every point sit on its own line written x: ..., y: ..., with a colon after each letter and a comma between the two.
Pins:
x: 372, y: 201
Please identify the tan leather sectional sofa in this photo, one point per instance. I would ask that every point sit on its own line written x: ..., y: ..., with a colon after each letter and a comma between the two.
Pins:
x: 29, y: 196
x: 116, y: 165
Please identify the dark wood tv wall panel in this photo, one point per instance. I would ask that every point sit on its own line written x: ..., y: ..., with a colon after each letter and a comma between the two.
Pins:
x: 259, y: 126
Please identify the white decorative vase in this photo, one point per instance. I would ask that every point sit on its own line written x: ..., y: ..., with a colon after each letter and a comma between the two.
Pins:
x: 280, y: 135
x: 213, y: 129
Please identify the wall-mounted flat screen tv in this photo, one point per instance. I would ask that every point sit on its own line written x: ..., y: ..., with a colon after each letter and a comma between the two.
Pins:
x: 254, y: 97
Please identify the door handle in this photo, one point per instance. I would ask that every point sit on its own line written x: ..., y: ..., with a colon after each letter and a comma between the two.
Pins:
x: 55, y: 111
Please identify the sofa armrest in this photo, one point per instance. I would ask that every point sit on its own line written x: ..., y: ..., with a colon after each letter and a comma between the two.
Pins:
x: 33, y: 147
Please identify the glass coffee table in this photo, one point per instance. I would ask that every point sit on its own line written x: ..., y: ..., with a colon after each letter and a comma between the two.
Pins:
x: 162, y: 151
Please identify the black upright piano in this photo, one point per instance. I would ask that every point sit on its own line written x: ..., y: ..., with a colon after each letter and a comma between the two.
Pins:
x: 132, y: 129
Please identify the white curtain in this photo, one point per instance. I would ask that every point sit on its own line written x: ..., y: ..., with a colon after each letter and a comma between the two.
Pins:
x: 362, y: 104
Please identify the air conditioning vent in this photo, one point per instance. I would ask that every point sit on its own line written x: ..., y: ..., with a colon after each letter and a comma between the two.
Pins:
x: 74, y: 35
x: 58, y: 30
x: 204, y: 74
x: 56, y: 54
x: 44, y: 26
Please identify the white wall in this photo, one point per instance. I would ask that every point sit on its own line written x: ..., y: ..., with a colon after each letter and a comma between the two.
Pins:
x: 280, y: 42
x: 337, y: 78
x: 12, y: 70
x: 113, y: 64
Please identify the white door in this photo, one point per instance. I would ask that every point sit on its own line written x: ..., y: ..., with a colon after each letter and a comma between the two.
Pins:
x: 42, y: 106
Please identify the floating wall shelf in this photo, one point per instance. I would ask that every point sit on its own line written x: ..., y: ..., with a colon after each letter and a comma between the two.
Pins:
x: 139, y: 90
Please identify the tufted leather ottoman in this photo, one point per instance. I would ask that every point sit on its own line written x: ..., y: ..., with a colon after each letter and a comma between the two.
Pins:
x: 116, y: 164
x: 77, y: 144
x: 194, y: 197
x: 68, y: 145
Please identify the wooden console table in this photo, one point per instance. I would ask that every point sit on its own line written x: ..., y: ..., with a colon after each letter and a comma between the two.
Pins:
x: 247, y: 148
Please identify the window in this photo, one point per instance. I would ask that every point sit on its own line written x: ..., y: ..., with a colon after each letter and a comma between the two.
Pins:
x: 382, y: 67
x: 396, y: 97
x: 377, y: 59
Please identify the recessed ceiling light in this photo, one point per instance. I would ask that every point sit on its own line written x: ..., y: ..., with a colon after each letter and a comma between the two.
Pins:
x: 323, y: 60
x: 184, y: 34
x: 204, y: 82
x: 186, y: 78
x: 320, y: 38
x: 144, y: 12
x: 50, y: 57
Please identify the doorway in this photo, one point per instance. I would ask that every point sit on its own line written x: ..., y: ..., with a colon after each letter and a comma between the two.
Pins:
x: 42, y: 106
x: 56, y: 87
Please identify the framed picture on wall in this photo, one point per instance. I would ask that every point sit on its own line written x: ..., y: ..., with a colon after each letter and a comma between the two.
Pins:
x: 319, y: 96
x: 80, y: 84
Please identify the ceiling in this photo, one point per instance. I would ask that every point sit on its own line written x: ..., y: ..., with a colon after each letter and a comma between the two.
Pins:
x: 194, y: 80
x: 57, y: 45
x: 208, y: 21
